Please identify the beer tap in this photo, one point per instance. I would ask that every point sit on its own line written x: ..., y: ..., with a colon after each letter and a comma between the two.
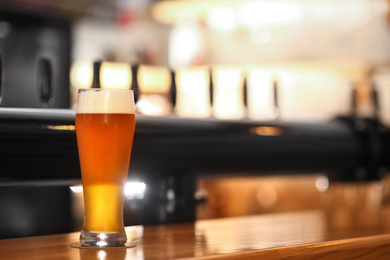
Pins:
x: 45, y: 82
x: 1, y: 79
x: 134, y: 82
x: 173, y: 90
x: 375, y: 102
x: 245, y: 94
x: 211, y: 86
x: 275, y: 91
x: 372, y: 137
x: 353, y: 102
x: 96, y: 74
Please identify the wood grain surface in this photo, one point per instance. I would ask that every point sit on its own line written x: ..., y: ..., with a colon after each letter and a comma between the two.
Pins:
x: 300, y: 235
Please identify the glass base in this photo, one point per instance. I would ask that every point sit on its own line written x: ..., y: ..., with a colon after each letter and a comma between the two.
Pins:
x: 102, y: 239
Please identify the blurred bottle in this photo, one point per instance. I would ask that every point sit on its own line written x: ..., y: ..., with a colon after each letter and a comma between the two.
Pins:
x: 154, y: 90
x: 193, y: 92
x: 228, y: 92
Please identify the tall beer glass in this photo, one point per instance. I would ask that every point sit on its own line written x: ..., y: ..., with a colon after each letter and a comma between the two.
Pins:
x: 105, y: 124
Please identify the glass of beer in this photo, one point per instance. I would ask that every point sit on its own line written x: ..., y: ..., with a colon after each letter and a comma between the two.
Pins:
x: 105, y: 124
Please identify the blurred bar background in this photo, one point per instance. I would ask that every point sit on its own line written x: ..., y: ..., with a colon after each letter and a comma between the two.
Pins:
x: 243, y: 107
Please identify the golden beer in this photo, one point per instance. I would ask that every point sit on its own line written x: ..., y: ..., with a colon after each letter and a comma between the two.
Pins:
x: 105, y: 125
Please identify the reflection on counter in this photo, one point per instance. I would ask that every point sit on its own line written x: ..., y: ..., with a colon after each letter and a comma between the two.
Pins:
x: 103, y: 254
x: 306, y: 227
x: 232, y: 235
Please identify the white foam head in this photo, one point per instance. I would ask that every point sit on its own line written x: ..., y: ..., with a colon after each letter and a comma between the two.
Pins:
x: 108, y: 101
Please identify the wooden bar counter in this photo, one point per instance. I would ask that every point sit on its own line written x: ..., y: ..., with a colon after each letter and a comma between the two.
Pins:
x: 303, y: 235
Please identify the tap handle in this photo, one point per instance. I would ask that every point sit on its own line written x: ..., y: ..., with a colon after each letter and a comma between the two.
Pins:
x: 96, y: 74
x: 1, y: 80
x: 173, y: 91
x: 275, y: 96
x: 353, y: 100
x: 45, y: 81
x: 375, y: 102
x: 134, y: 82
